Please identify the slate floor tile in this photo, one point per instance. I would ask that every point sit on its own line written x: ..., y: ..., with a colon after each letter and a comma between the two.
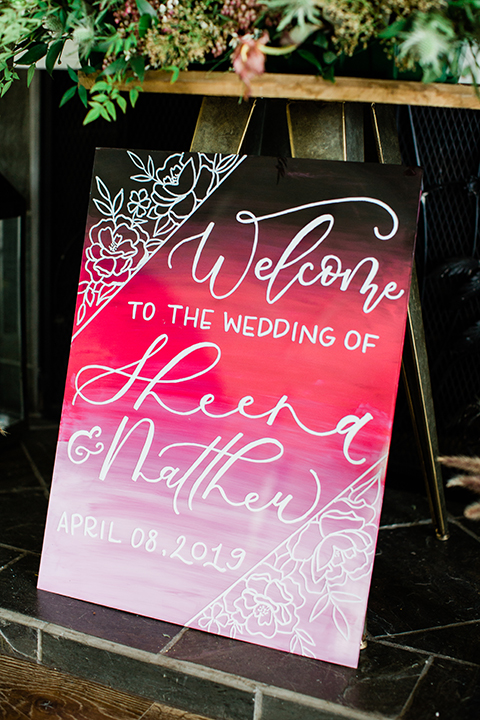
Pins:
x: 18, y: 586
x: 102, y: 622
x: 172, y: 687
x: 460, y: 641
x: 382, y: 683
x: 448, y: 691
x: 22, y: 519
x: 15, y: 470
x: 7, y: 556
x: 420, y: 582
x: 402, y: 507
x: 274, y: 708
x: 18, y: 641
x: 41, y: 446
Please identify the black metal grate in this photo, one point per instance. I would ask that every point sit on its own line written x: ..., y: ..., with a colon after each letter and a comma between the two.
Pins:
x: 446, y: 143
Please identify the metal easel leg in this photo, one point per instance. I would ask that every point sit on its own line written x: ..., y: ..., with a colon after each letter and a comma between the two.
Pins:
x: 415, y: 370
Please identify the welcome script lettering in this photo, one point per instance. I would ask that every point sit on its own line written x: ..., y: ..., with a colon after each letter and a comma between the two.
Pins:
x: 331, y: 270
x: 206, y: 467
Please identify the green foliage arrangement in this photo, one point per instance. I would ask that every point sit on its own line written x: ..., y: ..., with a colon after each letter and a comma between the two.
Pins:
x: 119, y: 40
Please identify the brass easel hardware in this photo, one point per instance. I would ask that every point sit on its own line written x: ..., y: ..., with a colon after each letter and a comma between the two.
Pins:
x: 221, y: 125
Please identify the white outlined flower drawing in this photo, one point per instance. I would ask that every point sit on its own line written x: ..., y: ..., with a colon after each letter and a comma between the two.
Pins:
x: 130, y: 232
x: 317, y: 574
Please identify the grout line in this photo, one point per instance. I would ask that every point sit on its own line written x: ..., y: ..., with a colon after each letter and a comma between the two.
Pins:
x: 173, y: 641
x: 12, y: 562
x: 185, y: 667
x: 465, y: 529
x: 36, y: 471
x: 423, y: 630
x: 394, y: 526
x: 420, y: 678
x: 20, y: 550
x: 16, y: 617
x: 12, y: 646
x: 258, y: 704
x: 411, y: 648
x: 39, y: 646
x: 19, y: 491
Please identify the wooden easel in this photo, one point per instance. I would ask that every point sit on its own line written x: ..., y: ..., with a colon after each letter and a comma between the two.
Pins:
x: 335, y: 131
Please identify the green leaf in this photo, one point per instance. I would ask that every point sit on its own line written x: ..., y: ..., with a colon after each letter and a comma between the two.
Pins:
x: 329, y: 57
x: 144, y: 8
x: 6, y: 87
x: 311, y: 58
x: 92, y: 115
x: 321, y: 40
x: 68, y: 95
x: 133, y: 96
x: 137, y: 63
x: 73, y: 74
x: 36, y: 52
x: 122, y: 103
x: 329, y: 74
x: 104, y: 112
x: 83, y: 95
x: 54, y: 51
x: 117, y: 65
x: 174, y: 70
x: 30, y: 74
x: 393, y: 29
x: 143, y: 25
x: 110, y: 107
x: 100, y: 85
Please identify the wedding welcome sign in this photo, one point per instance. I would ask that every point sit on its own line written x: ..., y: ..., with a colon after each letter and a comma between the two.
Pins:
x: 230, y: 394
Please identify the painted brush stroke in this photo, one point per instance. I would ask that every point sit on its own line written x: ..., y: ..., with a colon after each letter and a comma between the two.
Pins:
x: 230, y: 394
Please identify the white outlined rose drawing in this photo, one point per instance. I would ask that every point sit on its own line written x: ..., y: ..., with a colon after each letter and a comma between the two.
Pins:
x: 131, y: 232
x: 268, y: 604
x: 334, y: 553
x: 115, y: 251
x: 320, y: 570
x: 178, y: 186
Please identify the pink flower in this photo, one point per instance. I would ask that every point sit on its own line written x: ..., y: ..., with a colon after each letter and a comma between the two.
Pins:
x: 249, y: 59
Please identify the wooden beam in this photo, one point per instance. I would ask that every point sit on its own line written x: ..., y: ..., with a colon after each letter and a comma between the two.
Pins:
x: 32, y: 691
x: 310, y: 87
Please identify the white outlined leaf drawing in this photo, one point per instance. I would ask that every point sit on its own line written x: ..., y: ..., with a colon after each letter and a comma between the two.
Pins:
x: 341, y: 622
x: 339, y: 568
x: 320, y: 606
x: 136, y: 160
x: 103, y: 190
x: 103, y: 207
x: 118, y: 202
x: 108, y: 273
x: 343, y: 597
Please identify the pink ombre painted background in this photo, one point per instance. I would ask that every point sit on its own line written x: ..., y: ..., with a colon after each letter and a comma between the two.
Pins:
x: 300, y: 586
